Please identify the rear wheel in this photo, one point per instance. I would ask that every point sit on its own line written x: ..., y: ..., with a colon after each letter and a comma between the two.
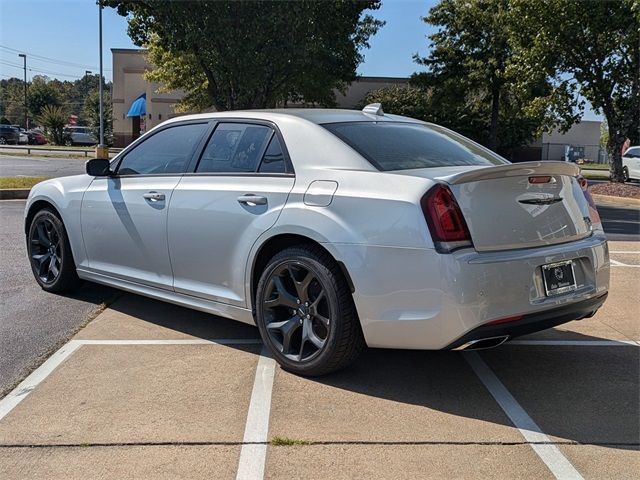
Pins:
x: 3, y: 141
x: 50, y: 253
x: 305, y: 312
x: 625, y: 173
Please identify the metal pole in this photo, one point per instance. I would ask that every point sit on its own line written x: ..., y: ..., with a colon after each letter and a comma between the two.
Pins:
x: 101, y: 107
x: 26, y: 108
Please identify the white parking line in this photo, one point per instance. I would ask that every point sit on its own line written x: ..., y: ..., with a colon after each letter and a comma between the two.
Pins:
x: 550, y: 454
x: 577, y: 343
x: 254, y: 444
x: 25, y: 387
x: 625, y: 251
x: 616, y: 263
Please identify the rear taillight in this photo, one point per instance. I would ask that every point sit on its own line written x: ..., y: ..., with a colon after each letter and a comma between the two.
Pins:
x: 443, y: 215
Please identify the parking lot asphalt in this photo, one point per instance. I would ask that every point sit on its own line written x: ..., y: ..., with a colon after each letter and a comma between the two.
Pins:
x: 153, y: 390
x: 40, y: 166
x: 33, y: 323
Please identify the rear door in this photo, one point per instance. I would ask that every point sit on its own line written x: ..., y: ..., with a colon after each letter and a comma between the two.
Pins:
x: 124, y: 216
x: 234, y: 193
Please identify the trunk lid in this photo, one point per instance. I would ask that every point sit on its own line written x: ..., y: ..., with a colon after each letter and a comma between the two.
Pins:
x: 505, y: 210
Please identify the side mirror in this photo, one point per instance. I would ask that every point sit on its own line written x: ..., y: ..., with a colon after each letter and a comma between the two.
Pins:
x: 98, y: 167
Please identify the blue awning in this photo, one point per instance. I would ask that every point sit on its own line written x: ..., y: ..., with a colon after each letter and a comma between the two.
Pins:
x: 138, y: 107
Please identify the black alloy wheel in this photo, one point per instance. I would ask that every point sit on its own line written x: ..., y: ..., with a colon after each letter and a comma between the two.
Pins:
x: 305, y: 312
x: 50, y: 253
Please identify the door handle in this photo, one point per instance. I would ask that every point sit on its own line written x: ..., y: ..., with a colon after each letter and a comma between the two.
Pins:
x: 154, y: 196
x: 252, y: 200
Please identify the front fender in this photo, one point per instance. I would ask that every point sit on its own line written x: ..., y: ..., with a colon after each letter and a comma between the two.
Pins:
x: 65, y: 195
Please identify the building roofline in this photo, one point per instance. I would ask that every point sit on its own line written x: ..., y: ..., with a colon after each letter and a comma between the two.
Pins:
x: 129, y: 50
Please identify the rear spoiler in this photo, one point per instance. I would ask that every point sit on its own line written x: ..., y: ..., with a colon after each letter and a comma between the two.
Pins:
x: 523, y: 169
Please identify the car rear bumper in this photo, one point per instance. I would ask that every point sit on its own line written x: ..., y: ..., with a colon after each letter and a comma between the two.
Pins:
x: 420, y: 299
x: 530, y: 323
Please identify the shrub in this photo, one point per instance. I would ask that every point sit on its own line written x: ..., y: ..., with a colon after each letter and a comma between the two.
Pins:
x: 53, y: 119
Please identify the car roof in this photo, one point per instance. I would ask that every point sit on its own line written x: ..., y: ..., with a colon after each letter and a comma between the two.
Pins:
x: 314, y: 115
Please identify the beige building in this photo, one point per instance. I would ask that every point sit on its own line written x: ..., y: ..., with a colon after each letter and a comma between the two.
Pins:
x: 129, y: 84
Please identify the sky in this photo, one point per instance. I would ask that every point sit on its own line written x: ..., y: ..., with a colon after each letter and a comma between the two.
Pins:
x: 60, y: 38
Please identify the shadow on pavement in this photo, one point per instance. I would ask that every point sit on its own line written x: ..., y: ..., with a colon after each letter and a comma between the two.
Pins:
x: 576, y: 393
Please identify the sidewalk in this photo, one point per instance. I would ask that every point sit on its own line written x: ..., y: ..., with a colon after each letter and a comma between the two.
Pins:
x: 150, y: 390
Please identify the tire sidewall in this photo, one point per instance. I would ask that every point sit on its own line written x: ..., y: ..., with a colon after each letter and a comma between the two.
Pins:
x: 324, y: 275
x: 64, y: 251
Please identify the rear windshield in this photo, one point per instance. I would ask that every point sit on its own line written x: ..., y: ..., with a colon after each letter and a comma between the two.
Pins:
x: 403, y: 146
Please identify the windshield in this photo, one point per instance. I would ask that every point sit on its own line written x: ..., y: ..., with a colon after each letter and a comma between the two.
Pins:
x: 403, y: 146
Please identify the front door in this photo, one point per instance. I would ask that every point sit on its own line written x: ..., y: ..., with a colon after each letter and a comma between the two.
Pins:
x: 217, y: 213
x: 124, y: 216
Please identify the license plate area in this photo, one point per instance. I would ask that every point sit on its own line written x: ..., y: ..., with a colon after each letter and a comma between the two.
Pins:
x: 558, y: 278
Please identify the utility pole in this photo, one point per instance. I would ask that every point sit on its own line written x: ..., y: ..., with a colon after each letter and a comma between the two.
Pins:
x: 26, y: 108
x: 101, y: 151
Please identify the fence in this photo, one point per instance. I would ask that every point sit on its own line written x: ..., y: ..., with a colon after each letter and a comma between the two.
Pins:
x: 30, y: 149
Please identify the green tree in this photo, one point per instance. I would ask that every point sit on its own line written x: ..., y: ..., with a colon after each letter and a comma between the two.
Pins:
x: 596, y: 46
x: 42, y: 93
x: 91, y: 115
x: 252, y: 54
x: 474, y: 89
x: 53, y: 118
x: 409, y: 101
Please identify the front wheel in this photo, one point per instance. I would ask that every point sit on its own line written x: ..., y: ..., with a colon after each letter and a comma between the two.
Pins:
x: 625, y: 174
x: 50, y: 253
x: 305, y: 312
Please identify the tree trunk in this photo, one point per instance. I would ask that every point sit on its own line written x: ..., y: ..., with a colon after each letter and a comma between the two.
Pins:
x: 614, y: 148
x: 495, y: 111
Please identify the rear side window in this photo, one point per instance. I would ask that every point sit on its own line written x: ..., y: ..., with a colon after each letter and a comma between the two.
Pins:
x: 167, y: 151
x: 273, y: 159
x: 234, y: 147
x: 632, y: 152
x: 403, y: 146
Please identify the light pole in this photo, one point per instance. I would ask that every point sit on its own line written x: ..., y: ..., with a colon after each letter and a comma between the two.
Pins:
x: 101, y: 151
x: 26, y: 108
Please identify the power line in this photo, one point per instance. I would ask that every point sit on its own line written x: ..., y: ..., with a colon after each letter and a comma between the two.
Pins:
x: 42, y: 58
x: 48, y: 72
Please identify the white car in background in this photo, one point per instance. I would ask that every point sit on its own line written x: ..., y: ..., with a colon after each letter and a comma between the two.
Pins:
x: 631, y: 163
x: 78, y: 135
x: 330, y: 230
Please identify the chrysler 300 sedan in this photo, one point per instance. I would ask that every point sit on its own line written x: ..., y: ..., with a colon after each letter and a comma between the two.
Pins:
x: 330, y: 230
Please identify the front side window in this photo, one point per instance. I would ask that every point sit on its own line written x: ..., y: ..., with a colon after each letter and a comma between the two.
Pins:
x: 167, y: 151
x: 632, y: 153
x: 234, y: 148
x: 403, y: 146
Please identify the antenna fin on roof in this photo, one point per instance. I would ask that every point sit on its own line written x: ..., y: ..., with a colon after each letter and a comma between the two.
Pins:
x: 374, y: 109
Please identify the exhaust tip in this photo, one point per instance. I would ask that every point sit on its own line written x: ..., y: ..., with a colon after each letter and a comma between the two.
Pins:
x: 483, y: 343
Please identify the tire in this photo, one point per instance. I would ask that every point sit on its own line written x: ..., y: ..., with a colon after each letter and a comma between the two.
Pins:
x: 305, y: 312
x: 68, y: 143
x: 625, y: 174
x: 47, y: 245
x: 3, y: 141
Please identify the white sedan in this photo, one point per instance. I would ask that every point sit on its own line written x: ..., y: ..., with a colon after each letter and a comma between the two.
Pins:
x: 631, y: 164
x: 330, y: 230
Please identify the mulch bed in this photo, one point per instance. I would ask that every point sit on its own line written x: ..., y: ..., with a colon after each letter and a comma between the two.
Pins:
x: 628, y: 190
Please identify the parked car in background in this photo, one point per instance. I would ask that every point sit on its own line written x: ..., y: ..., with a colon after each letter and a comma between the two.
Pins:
x: 330, y: 230
x: 631, y: 163
x: 36, y: 137
x: 24, y: 138
x: 9, y: 135
x: 78, y: 135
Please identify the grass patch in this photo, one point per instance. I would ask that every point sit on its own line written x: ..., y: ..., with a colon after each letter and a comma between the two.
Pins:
x: 594, y: 166
x: 596, y: 176
x: 286, y: 442
x: 20, y: 182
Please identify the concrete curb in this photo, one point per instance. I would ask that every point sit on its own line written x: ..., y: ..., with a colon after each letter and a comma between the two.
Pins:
x: 14, y: 193
x: 618, y: 201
